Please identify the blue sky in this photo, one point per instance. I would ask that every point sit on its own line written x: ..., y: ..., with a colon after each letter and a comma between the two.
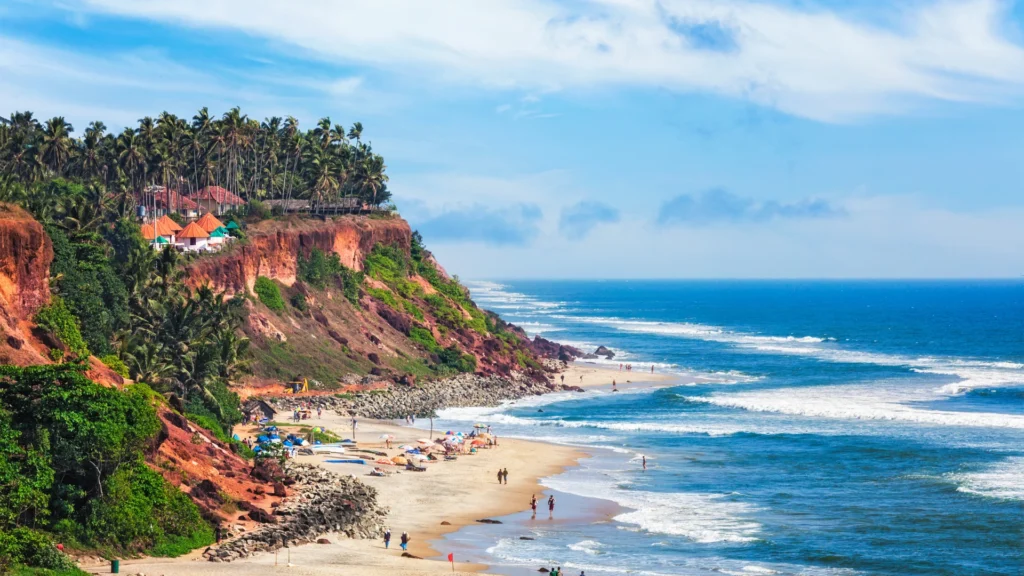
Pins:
x: 604, y: 138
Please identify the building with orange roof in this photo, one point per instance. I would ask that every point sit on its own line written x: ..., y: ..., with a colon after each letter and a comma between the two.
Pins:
x: 209, y: 222
x: 193, y: 238
x: 158, y: 233
x: 171, y: 224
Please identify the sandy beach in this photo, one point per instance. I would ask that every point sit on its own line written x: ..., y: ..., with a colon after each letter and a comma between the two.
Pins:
x: 590, y: 375
x: 457, y: 492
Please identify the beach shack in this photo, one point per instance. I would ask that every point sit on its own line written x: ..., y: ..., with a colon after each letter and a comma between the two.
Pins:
x: 193, y: 238
x: 260, y: 410
x: 217, y: 200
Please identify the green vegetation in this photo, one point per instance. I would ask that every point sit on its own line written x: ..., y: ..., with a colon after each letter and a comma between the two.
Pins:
x: 269, y: 294
x: 298, y: 301
x: 71, y: 469
x: 451, y: 360
x: 387, y: 264
x: 413, y: 310
x: 328, y: 165
x: 317, y: 269
x: 423, y: 337
x: 384, y: 296
x: 314, y: 358
x: 56, y: 319
x: 115, y: 364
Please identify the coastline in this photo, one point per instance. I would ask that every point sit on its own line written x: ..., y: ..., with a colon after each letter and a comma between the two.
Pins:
x: 458, y: 493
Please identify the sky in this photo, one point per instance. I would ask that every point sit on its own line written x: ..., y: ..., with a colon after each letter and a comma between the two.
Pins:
x: 602, y: 138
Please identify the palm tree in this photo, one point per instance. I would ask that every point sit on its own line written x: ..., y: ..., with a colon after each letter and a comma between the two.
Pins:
x: 56, y: 145
x: 356, y: 132
x: 373, y: 176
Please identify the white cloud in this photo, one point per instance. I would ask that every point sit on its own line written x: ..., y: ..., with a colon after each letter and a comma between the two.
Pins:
x: 803, y: 60
x: 346, y: 86
x: 882, y: 237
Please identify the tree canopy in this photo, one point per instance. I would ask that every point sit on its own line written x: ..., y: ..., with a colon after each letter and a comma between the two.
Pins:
x: 258, y: 160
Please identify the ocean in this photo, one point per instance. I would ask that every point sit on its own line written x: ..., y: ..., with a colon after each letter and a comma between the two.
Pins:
x: 818, y: 427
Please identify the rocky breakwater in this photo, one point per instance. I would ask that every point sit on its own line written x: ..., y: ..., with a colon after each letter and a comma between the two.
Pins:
x: 424, y: 399
x: 319, y: 502
x: 272, y: 249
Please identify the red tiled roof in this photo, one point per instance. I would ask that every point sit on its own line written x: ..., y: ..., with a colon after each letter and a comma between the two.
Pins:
x: 193, y: 231
x: 171, y: 200
x: 147, y: 232
x: 209, y: 222
x: 218, y: 195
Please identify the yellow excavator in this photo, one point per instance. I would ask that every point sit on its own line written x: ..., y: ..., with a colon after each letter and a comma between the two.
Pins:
x: 298, y: 386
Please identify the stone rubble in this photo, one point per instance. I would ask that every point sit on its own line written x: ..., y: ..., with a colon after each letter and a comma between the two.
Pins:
x: 323, y: 502
x: 424, y: 399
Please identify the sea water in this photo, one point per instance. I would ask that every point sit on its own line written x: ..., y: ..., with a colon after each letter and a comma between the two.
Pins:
x: 817, y: 428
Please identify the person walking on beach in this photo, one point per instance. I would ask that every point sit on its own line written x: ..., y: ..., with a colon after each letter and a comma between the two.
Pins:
x: 652, y: 368
x: 319, y: 411
x: 387, y: 538
x: 533, y: 505
x: 504, y: 475
x: 499, y: 475
x: 551, y: 506
x: 563, y: 379
x: 405, y: 540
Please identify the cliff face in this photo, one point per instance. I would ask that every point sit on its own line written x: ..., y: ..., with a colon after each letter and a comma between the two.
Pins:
x: 25, y: 256
x: 273, y: 247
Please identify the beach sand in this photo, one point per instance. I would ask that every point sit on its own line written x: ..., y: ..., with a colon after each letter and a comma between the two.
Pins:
x: 601, y: 375
x: 458, y: 492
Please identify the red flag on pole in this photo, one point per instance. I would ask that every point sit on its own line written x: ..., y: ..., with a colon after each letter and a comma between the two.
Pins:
x: 451, y: 558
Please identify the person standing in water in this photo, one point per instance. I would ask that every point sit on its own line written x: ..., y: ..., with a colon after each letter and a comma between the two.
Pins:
x: 551, y: 506
x: 645, y: 463
x: 533, y: 505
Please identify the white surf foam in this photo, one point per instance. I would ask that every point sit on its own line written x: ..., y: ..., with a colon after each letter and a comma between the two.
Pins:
x: 971, y: 373
x: 702, y: 518
x: 1004, y: 480
x: 591, y: 547
x: 495, y: 296
x: 878, y: 401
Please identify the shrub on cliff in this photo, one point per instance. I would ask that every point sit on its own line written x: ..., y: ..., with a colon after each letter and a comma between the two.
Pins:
x: 115, y: 364
x: 269, y: 293
x: 318, y: 269
x: 58, y: 320
x: 77, y: 451
x: 387, y: 264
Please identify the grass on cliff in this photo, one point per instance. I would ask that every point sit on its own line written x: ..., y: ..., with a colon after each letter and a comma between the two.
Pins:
x: 304, y: 357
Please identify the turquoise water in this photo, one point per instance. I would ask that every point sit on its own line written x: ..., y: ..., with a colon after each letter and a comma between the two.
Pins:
x: 818, y: 427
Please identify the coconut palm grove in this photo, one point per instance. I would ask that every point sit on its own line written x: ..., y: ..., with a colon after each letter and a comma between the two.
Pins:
x: 72, y: 465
